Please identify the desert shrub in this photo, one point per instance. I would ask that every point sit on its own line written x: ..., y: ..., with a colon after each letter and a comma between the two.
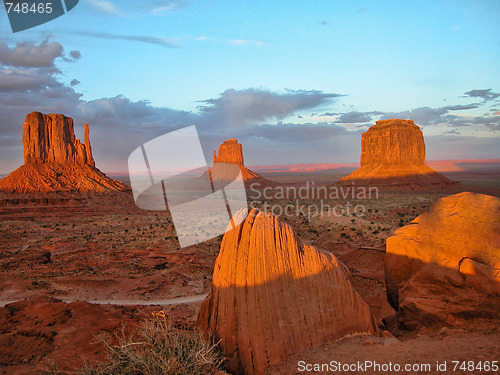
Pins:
x: 155, y: 347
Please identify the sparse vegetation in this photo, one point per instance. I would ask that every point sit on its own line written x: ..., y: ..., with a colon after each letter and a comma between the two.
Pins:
x: 157, y: 348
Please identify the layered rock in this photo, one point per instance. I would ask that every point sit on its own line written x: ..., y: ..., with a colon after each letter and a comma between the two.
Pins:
x: 55, y: 160
x: 273, y: 296
x: 231, y: 152
x: 393, y: 154
x: 445, y: 265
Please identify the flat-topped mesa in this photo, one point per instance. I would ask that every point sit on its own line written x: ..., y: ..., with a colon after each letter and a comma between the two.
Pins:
x: 55, y: 160
x: 51, y: 139
x: 273, y: 296
x: 393, y: 142
x: 393, y: 156
x: 230, y: 152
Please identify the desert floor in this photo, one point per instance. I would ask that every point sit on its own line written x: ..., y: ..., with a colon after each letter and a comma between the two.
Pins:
x: 75, y: 265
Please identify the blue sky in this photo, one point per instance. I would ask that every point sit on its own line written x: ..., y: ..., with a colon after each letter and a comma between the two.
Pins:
x: 281, y: 76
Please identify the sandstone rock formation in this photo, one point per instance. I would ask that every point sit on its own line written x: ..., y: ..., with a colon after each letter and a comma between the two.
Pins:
x: 393, y: 154
x: 55, y: 160
x: 445, y: 265
x: 272, y: 296
x: 231, y: 152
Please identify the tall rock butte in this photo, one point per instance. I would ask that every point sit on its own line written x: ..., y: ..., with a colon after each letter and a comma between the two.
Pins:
x: 393, y: 154
x: 55, y: 160
x: 231, y: 152
x: 445, y: 265
x: 273, y: 296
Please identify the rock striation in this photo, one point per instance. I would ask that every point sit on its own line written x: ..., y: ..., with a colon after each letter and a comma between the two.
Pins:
x: 55, y: 160
x: 393, y: 154
x: 231, y: 152
x: 445, y: 265
x: 273, y: 296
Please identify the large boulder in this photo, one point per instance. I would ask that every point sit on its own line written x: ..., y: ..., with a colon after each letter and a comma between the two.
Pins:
x: 393, y: 155
x: 55, y: 160
x: 445, y: 265
x: 273, y: 296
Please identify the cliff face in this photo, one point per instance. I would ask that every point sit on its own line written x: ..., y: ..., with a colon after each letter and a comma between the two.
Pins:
x: 273, y: 296
x: 55, y: 160
x: 393, y: 156
x: 51, y: 139
x: 445, y: 265
x: 393, y: 142
x: 230, y: 152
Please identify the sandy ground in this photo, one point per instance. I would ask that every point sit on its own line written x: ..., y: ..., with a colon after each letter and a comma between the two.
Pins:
x: 68, y: 248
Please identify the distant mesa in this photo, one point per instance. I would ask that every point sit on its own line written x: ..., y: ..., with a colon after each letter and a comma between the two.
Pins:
x: 273, y: 296
x: 393, y: 154
x: 230, y: 152
x: 445, y: 265
x: 55, y: 160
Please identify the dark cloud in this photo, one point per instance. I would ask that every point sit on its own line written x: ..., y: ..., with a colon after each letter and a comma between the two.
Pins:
x: 119, y: 125
x: 354, y: 117
x: 289, y: 132
x: 422, y: 115
x: 239, y: 107
x: 461, y: 107
x: 29, y: 81
x: 486, y: 94
x: 27, y: 54
x: 75, y: 55
x: 74, y: 82
x: 164, y: 42
x: 452, y: 146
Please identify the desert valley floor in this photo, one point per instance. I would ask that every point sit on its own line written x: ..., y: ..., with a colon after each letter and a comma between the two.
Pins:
x: 76, y: 265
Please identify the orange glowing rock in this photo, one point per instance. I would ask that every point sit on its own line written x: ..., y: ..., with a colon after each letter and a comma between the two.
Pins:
x: 393, y: 154
x: 273, y: 296
x: 231, y: 152
x: 446, y: 264
x: 55, y: 160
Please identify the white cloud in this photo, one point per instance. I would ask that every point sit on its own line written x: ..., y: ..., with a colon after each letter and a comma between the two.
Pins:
x: 107, y: 7
x: 244, y: 42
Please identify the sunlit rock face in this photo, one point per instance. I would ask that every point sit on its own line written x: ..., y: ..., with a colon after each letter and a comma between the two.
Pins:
x: 393, y: 142
x: 51, y: 139
x: 445, y: 265
x: 273, y: 296
x: 231, y: 152
x: 393, y: 154
x: 55, y: 160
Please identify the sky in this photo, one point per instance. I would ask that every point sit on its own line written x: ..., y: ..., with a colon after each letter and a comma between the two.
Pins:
x: 293, y: 81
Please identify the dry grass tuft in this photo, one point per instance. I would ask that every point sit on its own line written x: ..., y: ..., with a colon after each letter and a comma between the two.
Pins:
x: 157, y: 348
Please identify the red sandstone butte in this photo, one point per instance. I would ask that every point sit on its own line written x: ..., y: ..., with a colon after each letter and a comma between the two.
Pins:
x: 231, y: 152
x: 55, y: 160
x: 273, y: 296
x: 393, y: 154
x: 445, y: 265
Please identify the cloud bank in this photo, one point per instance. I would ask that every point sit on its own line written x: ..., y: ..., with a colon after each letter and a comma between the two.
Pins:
x: 263, y: 120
